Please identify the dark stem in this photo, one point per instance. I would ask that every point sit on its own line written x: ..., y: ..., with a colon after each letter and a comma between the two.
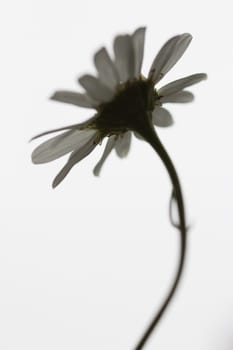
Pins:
x: 150, y: 135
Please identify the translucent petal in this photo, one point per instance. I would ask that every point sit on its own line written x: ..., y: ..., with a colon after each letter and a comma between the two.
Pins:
x: 108, y: 148
x: 74, y: 98
x: 181, y: 84
x: 53, y: 130
x: 106, y: 69
x: 138, y: 44
x: 79, y: 126
x: 124, y: 57
x: 122, y: 145
x: 161, y: 117
x: 178, y: 97
x: 162, y: 58
x: 169, y: 54
x: 74, y: 158
x: 60, y: 145
x: 95, y: 88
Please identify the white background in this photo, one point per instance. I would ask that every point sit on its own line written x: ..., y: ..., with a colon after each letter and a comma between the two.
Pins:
x: 86, y: 266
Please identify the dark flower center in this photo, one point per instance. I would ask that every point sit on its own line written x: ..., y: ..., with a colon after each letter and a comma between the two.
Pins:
x: 128, y: 109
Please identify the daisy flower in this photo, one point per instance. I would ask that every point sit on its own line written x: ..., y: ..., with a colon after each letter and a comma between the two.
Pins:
x: 125, y: 103
x: 123, y: 99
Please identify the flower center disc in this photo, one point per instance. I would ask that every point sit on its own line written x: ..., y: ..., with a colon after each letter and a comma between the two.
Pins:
x: 128, y: 108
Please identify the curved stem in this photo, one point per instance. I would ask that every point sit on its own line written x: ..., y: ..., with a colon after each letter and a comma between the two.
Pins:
x: 150, y: 135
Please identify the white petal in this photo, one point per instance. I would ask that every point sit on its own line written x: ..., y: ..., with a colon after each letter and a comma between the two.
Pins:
x: 169, y: 54
x: 138, y: 44
x: 124, y: 57
x: 107, y: 150
x: 181, y: 84
x: 79, y: 126
x: 95, y: 88
x: 74, y: 126
x: 162, y: 58
x: 161, y: 117
x: 75, y: 157
x: 60, y: 145
x: 106, y: 69
x: 123, y: 144
x: 178, y: 97
x: 74, y: 98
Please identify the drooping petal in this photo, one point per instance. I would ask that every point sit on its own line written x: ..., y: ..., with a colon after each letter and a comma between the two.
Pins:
x: 60, y: 145
x: 52, y: 131
x: 162, y: 117
x: 75, y: 157
x: 74, y: 98
x: 124, y: 57
x: 106, y: 69
x: 138, y: 44
x: 122, y: 145
x: 181, y: 84
x: 108, y: 149
x: 178, y: 97
x: 79, y: 126
x: 169, y: 54
x: 95, y: 88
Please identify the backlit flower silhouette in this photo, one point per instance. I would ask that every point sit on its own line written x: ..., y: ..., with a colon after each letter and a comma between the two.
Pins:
x: 124, y: 101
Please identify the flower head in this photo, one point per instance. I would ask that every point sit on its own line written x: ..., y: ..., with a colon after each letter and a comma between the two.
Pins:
x: 124, y: 101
